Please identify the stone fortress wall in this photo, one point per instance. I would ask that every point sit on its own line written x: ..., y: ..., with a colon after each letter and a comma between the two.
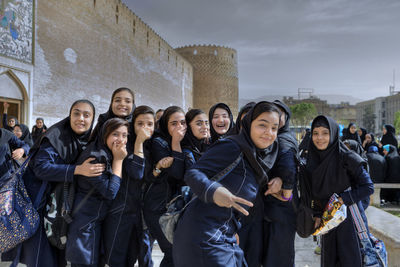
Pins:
x: 215, y: 75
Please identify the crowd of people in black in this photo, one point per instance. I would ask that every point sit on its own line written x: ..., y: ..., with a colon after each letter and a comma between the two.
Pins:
x: 241, y: 178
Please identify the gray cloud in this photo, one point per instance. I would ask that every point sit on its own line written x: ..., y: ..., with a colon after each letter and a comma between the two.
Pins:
x: 334, y: 46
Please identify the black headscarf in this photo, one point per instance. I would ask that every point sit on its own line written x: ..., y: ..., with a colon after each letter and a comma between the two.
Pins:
x: 354, y: 146
x: 190, y: 142
x: 26, y: 135
x: 286, y: 139
x: 5, y: 136
x: 372, y: 143
x: 37, y: 132
x: 261, y: 160
x: 390, y: 137
x: 243, y: 110
x: 214, y: 135
x: 349, y: 136
x: 7, y: 127
x: 110, y: 114
x: 326, y: 168
x: 64, y: 140
x: 362, y: 136
x: 306, y: 141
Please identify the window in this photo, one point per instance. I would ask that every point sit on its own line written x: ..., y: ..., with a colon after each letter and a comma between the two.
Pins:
x: 134, y: 27
x: 147, y: 38
x: 215, y: 53
x: 195, y: 52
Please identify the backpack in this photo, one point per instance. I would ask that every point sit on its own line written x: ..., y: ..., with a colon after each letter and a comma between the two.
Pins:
x: 304, y: 213
x: 59, y: 214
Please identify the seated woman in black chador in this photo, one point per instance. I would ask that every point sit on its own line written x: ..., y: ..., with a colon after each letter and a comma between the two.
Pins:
x: 332, y: 168
x: 85, y: 231
x: 205, y: 234
x: 221, y: 121
x: 351, y: 133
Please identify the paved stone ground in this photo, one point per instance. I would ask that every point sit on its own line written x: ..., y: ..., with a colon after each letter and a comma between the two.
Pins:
x: 305, y: 256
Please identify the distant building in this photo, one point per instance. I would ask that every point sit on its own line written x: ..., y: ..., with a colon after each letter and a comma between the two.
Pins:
x: 383, y: 109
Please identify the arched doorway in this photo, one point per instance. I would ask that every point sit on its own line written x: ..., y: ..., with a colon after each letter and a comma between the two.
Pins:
x: 13, y: 92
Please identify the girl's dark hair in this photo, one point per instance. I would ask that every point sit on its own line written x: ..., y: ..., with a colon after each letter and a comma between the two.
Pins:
x: 142, y: 110
x: 83, y: 101
x: 159, y: 110
x: 121, y: 89
x: 39, y: 119
x: 113, y: 124
x: 265, y: 107
x: 192, y: 113
x: 163, y: 122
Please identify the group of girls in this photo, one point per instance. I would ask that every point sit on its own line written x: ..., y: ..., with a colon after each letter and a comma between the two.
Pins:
x: 242, y: 177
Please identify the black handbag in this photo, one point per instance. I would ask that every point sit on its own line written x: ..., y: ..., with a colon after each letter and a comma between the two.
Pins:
x: 177, y: 205
x: 304, y: 213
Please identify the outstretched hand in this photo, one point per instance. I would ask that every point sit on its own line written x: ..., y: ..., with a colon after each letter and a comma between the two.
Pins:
x: 223, y: 198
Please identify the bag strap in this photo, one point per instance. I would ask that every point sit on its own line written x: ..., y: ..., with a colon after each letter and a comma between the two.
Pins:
x: 359, y: 222
x: 80, y: 205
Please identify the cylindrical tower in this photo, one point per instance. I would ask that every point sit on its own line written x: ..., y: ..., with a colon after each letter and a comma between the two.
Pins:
x: 215, y: 75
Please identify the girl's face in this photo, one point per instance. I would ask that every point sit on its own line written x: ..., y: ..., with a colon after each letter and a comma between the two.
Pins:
x: 200, y: 126
x: 359, y: 131
x: 176, y: 122
x: 122, y: 104
x: 368, y: 137
x: 385, y: 152
x: 119, y: 136
x: 321, y: 137
x: 353, y: 129
x: 221, y: 121
x: 384, y: 131
x: 144, y: 121
x: 11, y: 122
x: 159, y: 114
x: 17, y: 131
x: 39, y: 124
x: 81, y: 118
x: 264, y: 129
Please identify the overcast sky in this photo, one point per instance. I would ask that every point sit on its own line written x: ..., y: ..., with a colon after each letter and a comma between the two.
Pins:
x: 334, y: 46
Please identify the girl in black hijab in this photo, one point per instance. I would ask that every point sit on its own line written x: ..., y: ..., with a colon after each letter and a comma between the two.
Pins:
x: 351, y: 133
x: 39, y: 129
x: 369, y: 141
x: 389, y: 136
x: 54, y: 160
x: 122, y: 106
x: 362, y: 132
x: 205, y: 234
x: 332, y: 168
x: 221, y: 121
x: 166, y: 179
x: 22, y: 132
x: 84, y: 232
x: 195, y: 142
x: 8, y: 121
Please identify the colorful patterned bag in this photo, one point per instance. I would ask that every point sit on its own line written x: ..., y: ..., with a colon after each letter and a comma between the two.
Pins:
x: 19, y: 219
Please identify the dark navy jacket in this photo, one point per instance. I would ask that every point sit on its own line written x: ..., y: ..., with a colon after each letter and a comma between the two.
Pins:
x: 83, y: 244
x: 6, y: 165
x: 124, y: 215
x: 205, y: 233
x: 166, y: 185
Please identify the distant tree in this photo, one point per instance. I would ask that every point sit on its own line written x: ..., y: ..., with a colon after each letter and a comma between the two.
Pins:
x: 397, y: 121
x: 368, y: 119
x: 303, y: 113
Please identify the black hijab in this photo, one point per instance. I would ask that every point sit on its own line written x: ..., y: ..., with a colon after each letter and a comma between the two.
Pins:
x: 64, y: 140
x: 162, y: 130
x: 5, y: 136
x: 37, y: 132
x: 390, y: 137
x: 110, y: 114
x: 132, y: 135
x: 354, y: 146
x: 214, y: 135
x: 286, y: 139
x: 326, y: 168
x: 261, y: 160
x: 243, y: 110
x: 372, y: 143
x: 352, y: 136
x: 362, y: 136
x: 7, y: 127
x: 306, y: 141
x: 190, y: 142
x: 26, y: 135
